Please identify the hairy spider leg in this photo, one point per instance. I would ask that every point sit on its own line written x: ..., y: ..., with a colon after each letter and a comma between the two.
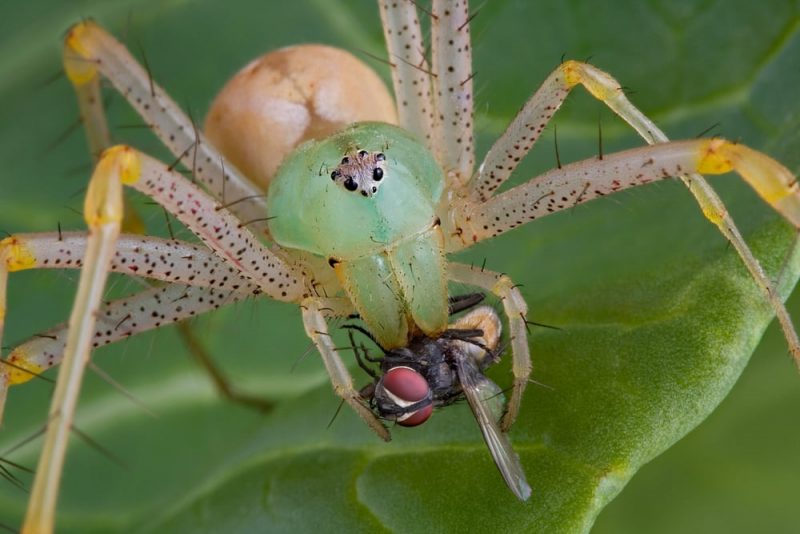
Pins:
x: 103, y: 214
x: 516, y: 311
x: 90, y: 51
x: 217, y: 227
x: 314, y: 311
x: 451, y: 56
x: 202, y: 282
x: 154, y: 258
x: 582, y: 181
x: 252, y: 267
x: 436, y: 103
x: 119, y: 319
x: 411, y: 76
x: 776, y: 185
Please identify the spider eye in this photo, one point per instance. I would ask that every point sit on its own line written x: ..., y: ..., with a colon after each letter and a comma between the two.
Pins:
x: 380, y: 157
x: 335, y: 175
x: 377, y: 174
x: 345, y: 160
x: 350, y: 184
x: 364, y: 194
x: 363, y: 153
x: 403, y: 387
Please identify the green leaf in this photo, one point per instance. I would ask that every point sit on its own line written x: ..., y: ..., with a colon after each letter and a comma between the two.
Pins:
x: 657, y: 316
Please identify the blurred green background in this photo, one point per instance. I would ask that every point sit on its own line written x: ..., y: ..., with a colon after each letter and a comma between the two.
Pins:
x: 689, y: 65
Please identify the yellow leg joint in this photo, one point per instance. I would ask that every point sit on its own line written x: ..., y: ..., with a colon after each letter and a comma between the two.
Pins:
x: 78, y: 62
x: 118, y: 165
x: 21, y: 369
x: 572, y: 75
x: 602, y: 86
x: 17, y: 256
x: 714, y: 157
x: 771, y: 180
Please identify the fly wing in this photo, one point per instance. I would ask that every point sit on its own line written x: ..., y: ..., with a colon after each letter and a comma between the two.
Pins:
x: 481, y: 393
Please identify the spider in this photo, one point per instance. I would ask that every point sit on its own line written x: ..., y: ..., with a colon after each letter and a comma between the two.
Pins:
x: 456, y: 228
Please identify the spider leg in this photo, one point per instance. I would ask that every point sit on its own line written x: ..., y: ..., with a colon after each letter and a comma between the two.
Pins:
x: 516, y: 311
x: 119, y: 319
x: 209, y: 283
x: 410, y: 73
x: 317, y: 329
x: 774, y: 183
x: 103, y: 214
x: 451, y: 55
x: 579, y: 182
x: 782, y: 196
x: 519, y: 137
x: 149, y: 257
x: 218, y: 228
x: 89, y: 51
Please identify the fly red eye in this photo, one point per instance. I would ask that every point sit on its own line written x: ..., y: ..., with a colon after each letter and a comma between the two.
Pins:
x: 407, y: 386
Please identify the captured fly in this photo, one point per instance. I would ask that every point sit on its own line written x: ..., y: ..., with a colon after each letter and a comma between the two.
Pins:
x: 434, y: 372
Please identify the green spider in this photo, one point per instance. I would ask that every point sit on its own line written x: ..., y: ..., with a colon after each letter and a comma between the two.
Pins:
x: 345, y: 238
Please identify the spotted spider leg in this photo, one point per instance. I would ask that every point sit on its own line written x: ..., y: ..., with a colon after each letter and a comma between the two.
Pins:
x: 209, y: 283
x: 314, y: 312
x: 451, y: 55
x: 219, y: 229
x: 210, y: 221
x: 516, y: 310
x: 410, y: 75
x: 452, y: 143
x: 774, y: 183
x: 579, y: 182
x: 119, y: 319
x: 167, y: 260
x: 242, y: 265
x: 445, y: 120
x: 90, y: 51
x: 103, y: 214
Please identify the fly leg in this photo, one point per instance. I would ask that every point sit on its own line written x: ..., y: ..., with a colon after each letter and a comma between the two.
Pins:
x: 516, y: 311
x: 314, y: 311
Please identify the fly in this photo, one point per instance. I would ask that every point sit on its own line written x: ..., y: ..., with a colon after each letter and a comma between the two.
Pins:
x: 433, y: 372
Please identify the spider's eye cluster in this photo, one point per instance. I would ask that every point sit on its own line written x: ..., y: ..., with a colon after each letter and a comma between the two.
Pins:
x: 361, y: 171
x: 403, y: 395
